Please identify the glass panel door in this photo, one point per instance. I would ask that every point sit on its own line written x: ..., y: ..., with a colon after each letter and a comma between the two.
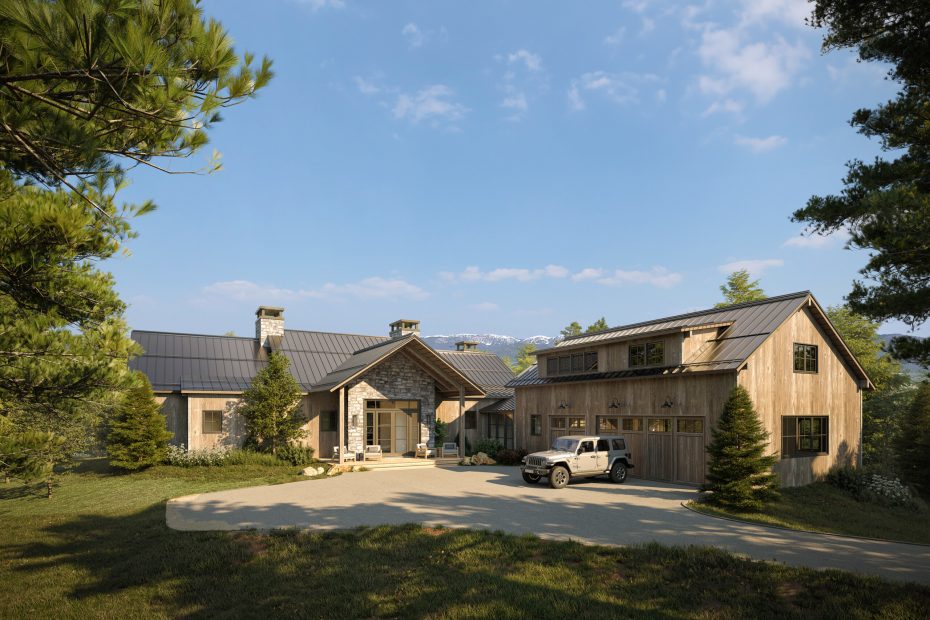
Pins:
x: 400, y: 432
x: 384, y: 430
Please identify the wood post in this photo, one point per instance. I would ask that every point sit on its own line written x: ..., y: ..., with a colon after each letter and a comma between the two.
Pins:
x: 342, y: 425
x: 461, y: 422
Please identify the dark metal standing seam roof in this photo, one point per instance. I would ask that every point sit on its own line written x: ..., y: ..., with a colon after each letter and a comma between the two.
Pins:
x: 179, y: 362
x: 485, y: 369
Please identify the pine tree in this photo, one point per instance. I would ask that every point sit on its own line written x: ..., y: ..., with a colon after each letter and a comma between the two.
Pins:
x: 270, y: 406
x: 739, y: 474
x: 572, y: 329
x: 597, y: 326
x: 739, y: 289
x: 526, y: 357
x: 137, y: 437
x: 914, y: 441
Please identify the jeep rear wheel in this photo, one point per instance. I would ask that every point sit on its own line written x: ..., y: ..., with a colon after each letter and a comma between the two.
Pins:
x: 618, y: 472
x: 531, y: 478
x: 558, y: 477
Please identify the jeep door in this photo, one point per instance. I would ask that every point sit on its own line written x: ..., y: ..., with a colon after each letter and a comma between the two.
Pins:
x: 603, y: 454
x: 587, y: 457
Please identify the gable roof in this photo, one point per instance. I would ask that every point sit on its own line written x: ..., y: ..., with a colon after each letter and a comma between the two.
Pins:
x: 744, y: 328
x: 364, y: 360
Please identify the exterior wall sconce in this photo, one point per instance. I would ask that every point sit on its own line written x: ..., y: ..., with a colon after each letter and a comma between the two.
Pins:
x: 563, y: 405
x: 354, y: 419
x: 667, y: 404
x: 614, y: 404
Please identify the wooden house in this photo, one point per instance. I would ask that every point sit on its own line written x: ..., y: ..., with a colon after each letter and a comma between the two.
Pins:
x: 663, y: 385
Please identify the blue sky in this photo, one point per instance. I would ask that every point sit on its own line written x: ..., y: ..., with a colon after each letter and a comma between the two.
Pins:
x: 504, y: 167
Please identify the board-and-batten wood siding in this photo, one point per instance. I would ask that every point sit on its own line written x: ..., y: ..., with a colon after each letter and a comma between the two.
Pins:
x: 777, y: 390
x: 701, y: 396
x: 448, y: 411
x: 174, y: 408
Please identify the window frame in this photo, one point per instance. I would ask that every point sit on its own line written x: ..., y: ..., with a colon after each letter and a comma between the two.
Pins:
x: 331, y: 419
x: 795, y: 423
x: 646, y: 351
x: 573, y: 363
x: 203, y: 421
x: 804, y: 351
x: 535, y: 425
x: 471, y: 420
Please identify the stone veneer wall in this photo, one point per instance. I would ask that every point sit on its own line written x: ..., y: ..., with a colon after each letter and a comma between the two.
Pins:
x: 398, y: 378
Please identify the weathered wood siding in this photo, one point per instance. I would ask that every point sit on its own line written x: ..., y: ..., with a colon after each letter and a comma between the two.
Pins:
x: 314, y: 406
x: 174, y: 408
x: 233, y: 433
x: 448, y: 411
x: 778, y: 391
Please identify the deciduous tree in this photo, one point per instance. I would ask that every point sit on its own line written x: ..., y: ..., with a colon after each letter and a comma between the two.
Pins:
x: 914, y: 440
x: 885, y: 204
x: 739, y: 289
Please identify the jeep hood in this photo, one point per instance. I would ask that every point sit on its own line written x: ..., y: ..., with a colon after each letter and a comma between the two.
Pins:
x: 552, y: 453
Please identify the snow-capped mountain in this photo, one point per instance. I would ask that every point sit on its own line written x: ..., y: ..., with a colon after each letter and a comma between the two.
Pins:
x: 493, y: 343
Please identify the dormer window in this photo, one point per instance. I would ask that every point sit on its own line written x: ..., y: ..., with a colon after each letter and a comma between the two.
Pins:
x: 647, y: 354
x: 572, y: 363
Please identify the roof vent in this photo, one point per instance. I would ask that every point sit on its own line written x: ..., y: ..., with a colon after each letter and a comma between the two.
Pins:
x: 466, y: 345
x: 269, y: 325
x: 404, y: 327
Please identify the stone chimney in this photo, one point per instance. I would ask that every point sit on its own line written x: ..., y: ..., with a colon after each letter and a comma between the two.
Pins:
x: 466, y: 345
x: 404, y: 327
x: 269, y: 326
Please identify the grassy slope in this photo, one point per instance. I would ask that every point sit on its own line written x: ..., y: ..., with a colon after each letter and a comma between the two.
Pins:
x: 823, y: 508
x: 100, y: 548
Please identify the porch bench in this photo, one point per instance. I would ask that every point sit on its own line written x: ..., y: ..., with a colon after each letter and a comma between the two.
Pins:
x: 449, y: 449
x: 373, y: 453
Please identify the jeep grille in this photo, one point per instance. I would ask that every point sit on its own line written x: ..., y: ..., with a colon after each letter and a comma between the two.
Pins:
x: 536, y: 461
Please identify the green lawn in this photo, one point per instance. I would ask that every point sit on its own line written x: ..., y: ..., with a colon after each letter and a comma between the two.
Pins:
x: 100, y: 548
x: 821, y: 507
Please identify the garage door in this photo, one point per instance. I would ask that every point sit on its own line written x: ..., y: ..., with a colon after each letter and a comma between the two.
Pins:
x: 689, y: 450
x: 632, y: 431
x: 659, y: 449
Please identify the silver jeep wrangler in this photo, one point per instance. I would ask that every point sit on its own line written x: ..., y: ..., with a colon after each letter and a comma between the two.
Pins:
x: 579, y: 456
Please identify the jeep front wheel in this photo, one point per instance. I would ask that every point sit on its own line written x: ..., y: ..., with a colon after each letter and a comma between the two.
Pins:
x: 618, y: 472
x: 530, y: 478
x: 558, y: 477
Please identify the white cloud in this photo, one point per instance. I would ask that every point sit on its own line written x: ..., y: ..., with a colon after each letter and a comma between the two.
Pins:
x: 520, y: 274
x: 588, y: 273
x: 761, y: 145
x: 792, y: 12
x: 616, y: 38
x: 533, y: 62
x: 415, y: 37
x: 619, y: 88
x: 755, y: 267
x: 366, y: 87
x: 434, y: 104
x: 730, y: 106
x: 816, y: 241
x: 368, y: 288
x: 658, y: 276
x: 317, y: 5
x: 516, y: 102
x: 762, y: 68
x: 485, y: 306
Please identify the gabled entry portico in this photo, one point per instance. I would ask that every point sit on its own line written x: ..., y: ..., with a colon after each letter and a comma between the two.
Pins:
x: 387, y: 395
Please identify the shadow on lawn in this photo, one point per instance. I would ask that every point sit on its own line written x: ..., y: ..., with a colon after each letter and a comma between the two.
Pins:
x: 409, y: 571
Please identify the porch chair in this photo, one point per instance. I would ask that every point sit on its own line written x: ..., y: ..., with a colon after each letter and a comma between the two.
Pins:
x: 373, y: 453
x: 424, y: 451
x: 449, y: 449
x: 350, y: 456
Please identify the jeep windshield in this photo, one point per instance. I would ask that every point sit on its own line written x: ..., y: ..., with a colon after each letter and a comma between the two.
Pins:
x: 564, y: 445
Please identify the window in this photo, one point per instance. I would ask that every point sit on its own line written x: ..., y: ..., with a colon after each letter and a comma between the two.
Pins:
x: 658, y: 425
x: 805, y: 357
x: 587, y: 446
x: 603, y: 445
x: 471, y: 420
x: 212, y: 422
x: 633, y: 424
x: 618, y: 444
x: 691, y: 426
x: 804, y: 436
x: 608, y: 425
x: 559, y: 423
x: 329, y: 421
x: 584, y: 361
x: 647, y: 354
x: 576, y: 424
x: 535, y: 425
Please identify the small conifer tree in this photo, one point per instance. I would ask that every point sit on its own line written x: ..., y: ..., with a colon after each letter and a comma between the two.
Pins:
x: 913, y: 446
x: 270, y: 406
x: 740, y: 474
x: 137, y: 437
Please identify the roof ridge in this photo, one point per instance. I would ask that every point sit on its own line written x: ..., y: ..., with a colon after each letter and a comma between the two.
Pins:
x: 316, y: 331
x: 154, y: 331
x: 692, y: 314
x: 384, y: 342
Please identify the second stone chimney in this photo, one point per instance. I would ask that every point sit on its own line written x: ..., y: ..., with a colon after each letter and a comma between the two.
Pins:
x: 466, y: 345
x: 404, y: 327
x: 269, y: 326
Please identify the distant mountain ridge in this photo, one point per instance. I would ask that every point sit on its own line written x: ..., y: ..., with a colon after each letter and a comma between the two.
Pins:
x: 917, y: 373
x: 504, y: 346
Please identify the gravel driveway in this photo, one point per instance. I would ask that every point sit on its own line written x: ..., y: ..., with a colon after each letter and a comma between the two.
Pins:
x: 496, y: 498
